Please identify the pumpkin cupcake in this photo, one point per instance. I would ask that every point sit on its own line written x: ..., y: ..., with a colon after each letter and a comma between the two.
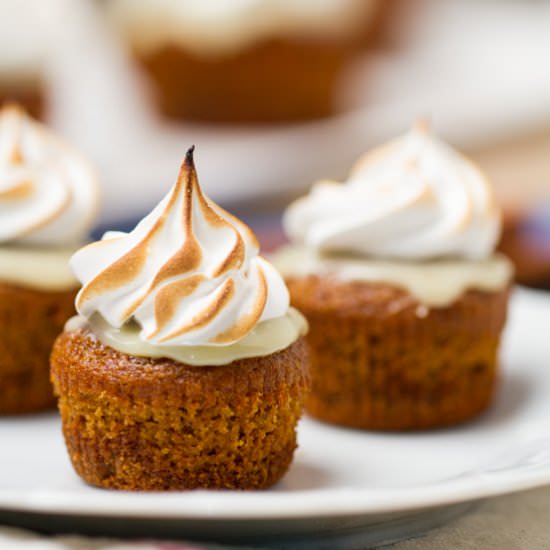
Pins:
x: 48, y: 198
x: 246, y: 62
x: 186, y: 367
x: 396, y: 273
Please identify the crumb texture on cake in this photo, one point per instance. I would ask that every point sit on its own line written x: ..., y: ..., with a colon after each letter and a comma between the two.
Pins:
x: 381, y: 360
x: 138, y: 423
x: 30, y: 319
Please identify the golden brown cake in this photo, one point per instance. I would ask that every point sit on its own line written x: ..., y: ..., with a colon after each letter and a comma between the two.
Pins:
x: 261, y: 61
x: 186, y: 367
x: 30, y: 319
x: 396, y: 273
x: 47, y: 198
x: 157, y: 424
x: 375, y: 363
x: 245, y: 87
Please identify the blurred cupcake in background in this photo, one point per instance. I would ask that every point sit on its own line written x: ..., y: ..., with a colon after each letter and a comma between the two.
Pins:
x: 246, y: 60
x: 48, y: 201
x: 396, y: 272
x: 27, y: 30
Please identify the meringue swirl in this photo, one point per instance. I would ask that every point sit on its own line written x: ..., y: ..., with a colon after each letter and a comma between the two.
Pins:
x: 188, y: 274
x: 48, y: 193
x: 414, y: 198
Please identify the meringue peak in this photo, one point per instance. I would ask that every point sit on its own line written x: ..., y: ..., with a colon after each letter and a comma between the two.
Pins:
x: 189, y: 160
x: 214, y: 216
x: 189, y: 273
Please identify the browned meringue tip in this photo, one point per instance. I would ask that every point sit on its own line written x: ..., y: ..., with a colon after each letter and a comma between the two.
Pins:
x: 189, y: 160
x: 188, y: 173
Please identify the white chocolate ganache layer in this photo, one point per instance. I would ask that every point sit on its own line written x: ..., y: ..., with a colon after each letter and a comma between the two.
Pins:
x: 214, y: 27
x: 434, y: 283
x: 188, y: 275
x: 43, y: 269
x: 266, y: 338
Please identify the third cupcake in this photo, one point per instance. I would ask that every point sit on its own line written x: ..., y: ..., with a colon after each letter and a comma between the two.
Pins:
x: 48, y: 201
x: 396, y: 272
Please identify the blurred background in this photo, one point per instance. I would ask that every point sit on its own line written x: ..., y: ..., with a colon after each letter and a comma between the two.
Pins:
x: 278, y: 93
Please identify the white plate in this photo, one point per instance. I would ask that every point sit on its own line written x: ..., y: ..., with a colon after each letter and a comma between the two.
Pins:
x: 339, y: 477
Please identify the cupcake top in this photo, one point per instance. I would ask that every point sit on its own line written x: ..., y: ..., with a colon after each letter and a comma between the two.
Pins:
x: 413, y: 213
x: 189, y: 274
x: 220, y: 26
x: 48, y: 192
x: 414, y: 198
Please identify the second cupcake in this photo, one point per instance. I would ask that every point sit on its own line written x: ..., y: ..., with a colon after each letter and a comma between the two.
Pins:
x: 48, y: 201
x: 396, y: 273
x: 186, y: 368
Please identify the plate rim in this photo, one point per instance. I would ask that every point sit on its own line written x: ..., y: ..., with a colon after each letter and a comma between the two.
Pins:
x: 295, y: 505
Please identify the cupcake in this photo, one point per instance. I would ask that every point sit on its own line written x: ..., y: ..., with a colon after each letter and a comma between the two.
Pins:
x: 396, y: 273
x: 48, y: 200
x: 186, y: 367
x: 254, y: 61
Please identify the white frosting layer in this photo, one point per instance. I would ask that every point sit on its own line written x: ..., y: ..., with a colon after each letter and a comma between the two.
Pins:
x: 414, y: 198
x: 27, y: 32
x: 189, y: 273
x: 219, y: 26
x: 44, y: 269
x: 48, y: 192
x: 266, y: 338
x: 435, y: 283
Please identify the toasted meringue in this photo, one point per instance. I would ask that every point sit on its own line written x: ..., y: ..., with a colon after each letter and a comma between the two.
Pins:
x: 48, y: 193
x: 414, y: 198
x: 189, y: 273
